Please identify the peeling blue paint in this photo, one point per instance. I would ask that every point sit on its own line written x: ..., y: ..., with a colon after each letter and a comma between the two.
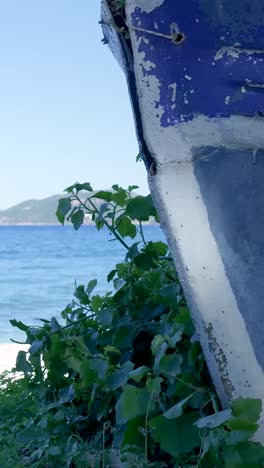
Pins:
x: 218, y: 68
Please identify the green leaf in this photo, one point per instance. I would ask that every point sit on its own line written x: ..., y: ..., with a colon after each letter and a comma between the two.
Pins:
x: 159, y: 249
x: 104, y: 209
x: 103, y: 195
x: 70, y: 214
x: 119, y: 377
x: 87, y: 374
x: 105, y: 316
x: 93, y: 370
x: 242, y: 424
x: 30, y: 435
x: 54, y: 451
x: 86, y: 186
x: 111, y: 275
x: 73, y: 362
x: 70, y: 188
x: 252, y: 454
x: 232, y: 458
x: 247, y: 408
x: 176, y: 436
x: 96, y: 303
x: 140, y: 208
x: 234, y: 437
x: 113, y: 354
x: 126, y: 228
x: 160, y: 353
x: 19, y: 324
x: 133, y: 251
x: 177, y: 410
x: 156, y: 344
x: 99, y: 222
x: 194, y: 352
x: 91, y: 285
x: 184, y: 318
x: 77, y: 219
x: 132, y: 187
x: 246, y: 413
x: 37, y: 346
x: 124, y: 336
x: 214, y: 420
x: 55, y: 326
x: 169, y: 366
x: 22, y: 364
x: 132, y: 403
x: 134, y: 434
x: 119, y: 197
x: 67, y: 394
x: 138, y: 374
x: 167, y: 296
x: 172, y: 331
x: 205, y: 446
x: 64, y: 206
x: 66, y: 312
x: 144, y: 261
x: 154, y: 385
x: 100, y: 366
x: 81, y: 295
x: 103, y: 405
x: 244, y: 455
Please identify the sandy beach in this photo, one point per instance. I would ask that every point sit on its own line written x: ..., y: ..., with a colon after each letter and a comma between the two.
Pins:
x: 8, y: 354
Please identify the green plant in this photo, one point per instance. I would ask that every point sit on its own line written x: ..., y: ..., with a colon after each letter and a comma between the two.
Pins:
x: 122, y: 381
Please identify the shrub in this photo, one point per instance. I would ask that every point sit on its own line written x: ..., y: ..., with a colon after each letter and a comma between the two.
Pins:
x: 121, y: 380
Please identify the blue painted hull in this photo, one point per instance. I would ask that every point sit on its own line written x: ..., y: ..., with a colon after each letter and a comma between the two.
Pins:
x: 217, y: 63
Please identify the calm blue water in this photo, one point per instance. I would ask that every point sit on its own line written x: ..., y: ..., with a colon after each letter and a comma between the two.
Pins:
x: 39, y: 266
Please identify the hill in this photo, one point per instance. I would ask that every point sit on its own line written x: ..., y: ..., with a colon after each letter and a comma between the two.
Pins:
x: 33, y: 212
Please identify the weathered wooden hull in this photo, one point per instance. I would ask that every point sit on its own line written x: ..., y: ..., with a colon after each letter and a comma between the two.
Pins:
x: 195, y: 71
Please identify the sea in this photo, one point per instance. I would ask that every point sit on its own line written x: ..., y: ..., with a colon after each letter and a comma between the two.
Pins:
x: 39, y: 266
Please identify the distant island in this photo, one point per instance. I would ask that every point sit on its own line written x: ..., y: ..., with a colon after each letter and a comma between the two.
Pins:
x: 36, y: 212
x: 31, y: 212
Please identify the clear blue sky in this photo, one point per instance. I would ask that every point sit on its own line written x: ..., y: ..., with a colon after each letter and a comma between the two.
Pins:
x: 64, y: 108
